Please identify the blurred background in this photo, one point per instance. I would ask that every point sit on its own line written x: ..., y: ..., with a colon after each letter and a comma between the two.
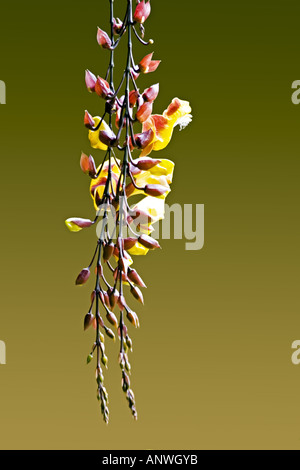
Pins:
x: 212, y: 360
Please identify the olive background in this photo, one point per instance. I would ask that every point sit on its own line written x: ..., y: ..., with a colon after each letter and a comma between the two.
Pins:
x: 212, y: 360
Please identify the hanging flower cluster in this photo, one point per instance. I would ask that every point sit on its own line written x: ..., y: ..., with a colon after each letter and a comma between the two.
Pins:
x: 123, y: 227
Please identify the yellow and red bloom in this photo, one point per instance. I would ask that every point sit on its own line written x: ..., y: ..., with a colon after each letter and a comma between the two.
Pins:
x: 177, y: 114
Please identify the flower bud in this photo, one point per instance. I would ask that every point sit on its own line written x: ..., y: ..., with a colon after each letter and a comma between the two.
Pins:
x: 110, y: 333
x: 108, y: 138
x: 111, y: 317
x: 135, y: 278
x: 129, y: 243
x: 117, y: 25
x: 144, y: 112
x: 103, y: 39
x: 103, y: 89
x: 137, y: 294
x: 121, y: 302
x: 83, y: 277
x: 88, y: 166
x: 133, y: 97
x: 88, y: 120
x: 148, y: 242
x: 142, y: 12
x: 133, y: 318
x: 88, y: 320
x: 75, y: 224
x: 146, y: 164
x: 104, y: 360
x: 90, y: 81
x: 129, y: 342
x: 113, y: 297
x: 144, y: 139
x: 151, y: 93
x: 108, y: 251
x: 155, y: 190
x: 148, y: 65
x: 89, y: 358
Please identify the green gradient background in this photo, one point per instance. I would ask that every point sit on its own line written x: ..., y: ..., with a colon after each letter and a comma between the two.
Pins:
x: 212, y: 361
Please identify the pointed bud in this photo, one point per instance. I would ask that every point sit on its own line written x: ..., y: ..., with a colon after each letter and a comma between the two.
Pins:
x: 108, y: 251
x: 83, y: 277
x: 88, y: 120
x: 88, y: 320
x: 117, y: 25
x: 144, y: 112
x: 103, y: 89
x: 135, y: 278
x: 148, y: 242
x: 121, y: 302
x: 146, y: 164
x: 151, y: 93
x: 137, y: 294
x: 108, y: 138
x: 103, y: 39
x: 129, y: 342
x: 89, y: 358
x: 88, y: 166
x: 111, y: 317
x: 90, y: 81
x: 104, y: 360
x: 76, y: 224
x: 148, y: 65
x: 129, y: 243
x: 113, y: 297
x: 133, y: 97
x: 133, y: 318
x: 110, y: 333
x: 155, y: 190
x: 142, y: 12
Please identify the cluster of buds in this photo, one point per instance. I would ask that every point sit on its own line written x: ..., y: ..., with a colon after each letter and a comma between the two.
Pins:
x: 112, y: 185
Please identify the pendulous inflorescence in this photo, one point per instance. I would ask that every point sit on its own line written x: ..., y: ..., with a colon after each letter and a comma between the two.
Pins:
x: 124, y: 227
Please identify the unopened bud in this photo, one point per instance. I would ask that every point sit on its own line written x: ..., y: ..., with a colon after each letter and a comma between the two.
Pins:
x: 144, y: 112
x: 108, y: 138
x: 108, y: 251
x: 148, y: 242
x: 88, y: 166
x: 103, y: 89
x: 83, y: 277
x: 142, y: 12
x: 103, y: 39
x: 89, y: 358
x: 111, y: 317
x: 155, y: 190
x: 104, y: 360
x: 151, y: 93
x: 90, y: 81
x: 134, y: 277
x: 137, y: 294
x: 88, y: 120
x: 88, y: 320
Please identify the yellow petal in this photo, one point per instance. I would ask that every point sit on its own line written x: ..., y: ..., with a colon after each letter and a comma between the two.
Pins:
x: 138, y: 250
x: 164, y: 168
x: 71, y: 226
x: 94, y: 135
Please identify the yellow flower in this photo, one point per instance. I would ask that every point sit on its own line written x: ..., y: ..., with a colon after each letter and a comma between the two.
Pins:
x: 97, y: 186
x: 94, y: 135
x: 177, y: 114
